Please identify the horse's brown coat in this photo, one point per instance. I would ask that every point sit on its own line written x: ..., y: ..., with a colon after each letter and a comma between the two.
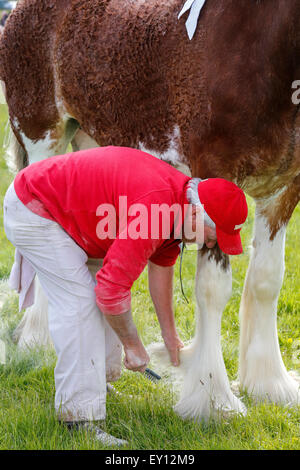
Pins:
x: 126, y: 71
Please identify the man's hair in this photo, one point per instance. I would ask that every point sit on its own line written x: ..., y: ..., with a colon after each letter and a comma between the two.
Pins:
x: 193, y: 198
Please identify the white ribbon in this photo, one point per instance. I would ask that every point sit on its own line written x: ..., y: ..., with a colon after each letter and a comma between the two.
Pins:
x: 192, y: 21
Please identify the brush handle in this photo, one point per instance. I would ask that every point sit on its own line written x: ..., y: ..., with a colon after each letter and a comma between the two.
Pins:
x: 153, y: 374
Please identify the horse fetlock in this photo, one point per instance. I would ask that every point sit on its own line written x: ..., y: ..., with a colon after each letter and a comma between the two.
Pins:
x: 208, y: 400
x: 265, y: 379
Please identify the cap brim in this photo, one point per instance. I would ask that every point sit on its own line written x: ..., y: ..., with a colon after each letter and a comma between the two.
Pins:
x: 229, y: 244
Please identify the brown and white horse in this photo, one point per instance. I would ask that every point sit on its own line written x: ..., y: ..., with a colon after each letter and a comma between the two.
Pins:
x: 126, y: 72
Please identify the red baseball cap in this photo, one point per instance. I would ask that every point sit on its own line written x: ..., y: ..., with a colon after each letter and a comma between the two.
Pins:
x: 226, y: 205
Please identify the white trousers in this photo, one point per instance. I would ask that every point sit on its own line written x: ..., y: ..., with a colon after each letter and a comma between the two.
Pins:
x: 87, y: 348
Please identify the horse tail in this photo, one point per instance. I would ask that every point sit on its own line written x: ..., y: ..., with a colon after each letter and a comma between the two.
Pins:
x: 15, y: 154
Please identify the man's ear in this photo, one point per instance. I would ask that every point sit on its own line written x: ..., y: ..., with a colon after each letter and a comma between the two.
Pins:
x: 196, y: 222
x: 196, y: 210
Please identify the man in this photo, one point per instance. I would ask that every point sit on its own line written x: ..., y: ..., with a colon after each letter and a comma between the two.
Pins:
x: 128, y: 208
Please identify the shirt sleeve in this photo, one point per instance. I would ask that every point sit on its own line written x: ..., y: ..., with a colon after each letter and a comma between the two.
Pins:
x: 126, y: 259
x: 167, y: 254
x: 124, y: 262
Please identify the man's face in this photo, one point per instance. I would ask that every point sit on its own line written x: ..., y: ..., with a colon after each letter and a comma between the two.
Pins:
x: 209, y: 233
x: 210, y: 236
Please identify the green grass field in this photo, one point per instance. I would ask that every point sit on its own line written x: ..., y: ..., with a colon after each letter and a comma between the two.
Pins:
x: 27, y: 417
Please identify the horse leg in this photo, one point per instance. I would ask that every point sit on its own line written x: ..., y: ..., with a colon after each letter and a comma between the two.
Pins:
x: 261, y: 369
x: 206, y: 391
x: 82, y: 141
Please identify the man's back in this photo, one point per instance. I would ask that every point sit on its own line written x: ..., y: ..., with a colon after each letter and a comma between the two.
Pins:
x: 69, y: 188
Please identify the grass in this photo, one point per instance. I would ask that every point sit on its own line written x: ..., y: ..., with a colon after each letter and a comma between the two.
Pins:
x: 27, y: 417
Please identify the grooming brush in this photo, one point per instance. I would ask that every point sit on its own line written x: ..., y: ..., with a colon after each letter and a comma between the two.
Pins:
x: 151, y: 375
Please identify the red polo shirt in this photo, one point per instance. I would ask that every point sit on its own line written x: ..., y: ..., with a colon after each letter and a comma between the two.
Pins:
x: 71, y: 190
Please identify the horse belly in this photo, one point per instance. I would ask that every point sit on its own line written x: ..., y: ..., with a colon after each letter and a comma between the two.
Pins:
x: 115, y: 84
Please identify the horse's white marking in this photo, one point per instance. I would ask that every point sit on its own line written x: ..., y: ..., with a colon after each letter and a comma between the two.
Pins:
x: 5, y: 293
x: 262, y: 370
x: 2, y: 92
x: 33, y: 330
x: 83, y: 141
x: 36, y: 150
x: 172, y: 155
x: 206, y: 390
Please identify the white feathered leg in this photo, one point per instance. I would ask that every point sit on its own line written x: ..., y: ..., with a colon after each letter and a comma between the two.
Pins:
x: 261, y: 370
x: 82, y: 141
x: 33, y: 330
x: 206, y: 390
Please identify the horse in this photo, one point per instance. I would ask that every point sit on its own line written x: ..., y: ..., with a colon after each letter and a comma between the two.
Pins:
x: 125, y: 73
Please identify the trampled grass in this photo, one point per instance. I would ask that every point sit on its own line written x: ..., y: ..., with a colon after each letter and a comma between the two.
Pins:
x: 147, y: 421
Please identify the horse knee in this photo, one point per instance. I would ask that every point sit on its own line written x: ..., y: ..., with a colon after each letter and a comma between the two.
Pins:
x: 266, y: 280
x: 213, y: 286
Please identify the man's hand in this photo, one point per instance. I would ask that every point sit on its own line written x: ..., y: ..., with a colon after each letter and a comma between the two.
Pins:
x: 136, y: 357
x: 161, y: 290
x: 173, y: 344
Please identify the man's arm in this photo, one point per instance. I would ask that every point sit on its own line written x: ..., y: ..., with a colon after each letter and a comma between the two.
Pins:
x: 123, y: 263
x: 136, y: 357
x: 161, y: 290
